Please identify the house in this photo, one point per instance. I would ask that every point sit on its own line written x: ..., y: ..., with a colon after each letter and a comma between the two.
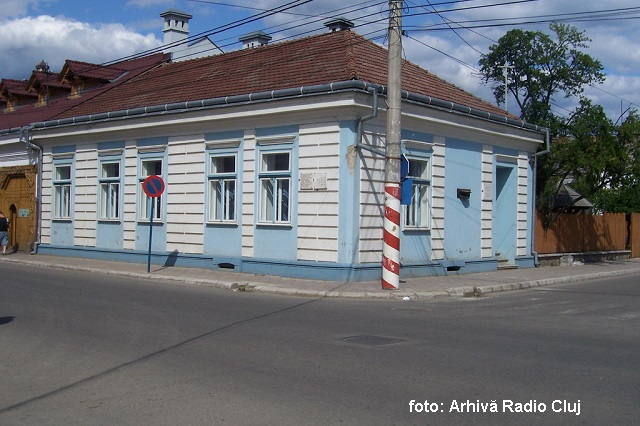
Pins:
x: 273, y: 163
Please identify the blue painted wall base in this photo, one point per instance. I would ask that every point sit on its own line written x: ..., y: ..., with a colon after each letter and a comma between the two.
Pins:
x: 325, y: 271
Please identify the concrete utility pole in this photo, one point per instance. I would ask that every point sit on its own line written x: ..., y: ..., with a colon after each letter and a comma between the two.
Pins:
x: 391, y: 247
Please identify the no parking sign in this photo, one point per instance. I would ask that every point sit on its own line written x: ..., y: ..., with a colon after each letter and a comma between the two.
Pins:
x: 153, y: 186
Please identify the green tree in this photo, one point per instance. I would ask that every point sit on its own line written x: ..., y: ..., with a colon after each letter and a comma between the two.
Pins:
x: 542, y: 68
x: 599, y: 157
x: 621, y: 193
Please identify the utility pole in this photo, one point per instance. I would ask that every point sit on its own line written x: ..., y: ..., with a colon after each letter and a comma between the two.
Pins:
x: 391, y: 237
x: 505, y: 71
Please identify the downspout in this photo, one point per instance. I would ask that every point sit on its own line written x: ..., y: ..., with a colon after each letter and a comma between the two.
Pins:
x: 25, y: 137
x: 533, y: 204
x: 374, y: 114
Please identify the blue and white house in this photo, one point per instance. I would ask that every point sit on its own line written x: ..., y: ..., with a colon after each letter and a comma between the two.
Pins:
x: 272, y: 160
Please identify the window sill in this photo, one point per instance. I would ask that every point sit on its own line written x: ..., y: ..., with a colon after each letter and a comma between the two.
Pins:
x: 147, y: 221
x: 222, y: 223
x: 109, y: 220
x: 274, y: 225
x: 416, y: 230
x: 62, y: 219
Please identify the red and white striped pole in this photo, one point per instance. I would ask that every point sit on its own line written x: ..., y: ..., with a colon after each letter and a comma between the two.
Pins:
x: 391, y: 248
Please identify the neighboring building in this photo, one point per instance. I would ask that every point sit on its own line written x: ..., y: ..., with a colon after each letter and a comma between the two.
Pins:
x: 45, y: 96
x: 273, y: 162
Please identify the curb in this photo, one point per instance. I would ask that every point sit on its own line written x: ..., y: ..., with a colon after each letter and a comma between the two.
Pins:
x: 465, y: 291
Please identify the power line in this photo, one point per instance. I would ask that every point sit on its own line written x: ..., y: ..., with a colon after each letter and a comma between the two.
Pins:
x: 590, y: 16
x: 220, y: 29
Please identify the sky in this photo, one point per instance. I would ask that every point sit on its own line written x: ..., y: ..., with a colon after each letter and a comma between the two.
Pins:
x: 448, y: 43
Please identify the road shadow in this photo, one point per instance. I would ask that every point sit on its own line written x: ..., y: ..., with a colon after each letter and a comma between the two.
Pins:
x: 6, y: 320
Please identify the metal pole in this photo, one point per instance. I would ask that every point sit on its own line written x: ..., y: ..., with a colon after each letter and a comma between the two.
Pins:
x: 153, y: 201
x: 391, y: 247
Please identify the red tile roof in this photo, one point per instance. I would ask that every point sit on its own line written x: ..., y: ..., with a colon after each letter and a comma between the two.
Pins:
x: 91, y: 71
x: 42, y: 78
x: 9, y: 87
x: 320, y: 59
x: 56, y: 106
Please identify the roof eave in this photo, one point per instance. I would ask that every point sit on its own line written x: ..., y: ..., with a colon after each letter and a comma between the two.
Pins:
x: 340, y: 86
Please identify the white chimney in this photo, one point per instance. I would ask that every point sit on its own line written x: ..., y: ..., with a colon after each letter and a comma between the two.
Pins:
x: 255, y: 39
x: 339, y: 24
x: 176, y: 30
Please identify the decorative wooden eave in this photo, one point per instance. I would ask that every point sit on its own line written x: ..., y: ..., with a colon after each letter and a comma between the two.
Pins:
x: 14, y: 92
x: 80, y: 76
x: 46, y: 85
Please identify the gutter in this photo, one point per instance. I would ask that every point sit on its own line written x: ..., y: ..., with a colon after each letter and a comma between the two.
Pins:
x: 25, y: 137
x: 374, y: 114
x: 303, y: 91
x: 547, y: 149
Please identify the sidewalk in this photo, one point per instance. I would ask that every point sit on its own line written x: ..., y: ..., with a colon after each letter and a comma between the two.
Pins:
x: 468, y: 285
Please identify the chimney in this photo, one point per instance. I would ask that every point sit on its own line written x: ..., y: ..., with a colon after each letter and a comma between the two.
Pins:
x: 176, y: 30
x: 42, y: 66
x: 255, y: 39
x: 339, y: 24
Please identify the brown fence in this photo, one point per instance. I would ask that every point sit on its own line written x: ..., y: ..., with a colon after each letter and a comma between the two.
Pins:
x: 634, y: 230
x: 579, y: 233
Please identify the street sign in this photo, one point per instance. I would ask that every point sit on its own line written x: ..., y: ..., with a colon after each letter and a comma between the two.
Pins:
x: 153, y: 186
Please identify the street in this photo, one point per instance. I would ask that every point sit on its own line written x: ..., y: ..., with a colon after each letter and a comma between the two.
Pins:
x: 80, y: 348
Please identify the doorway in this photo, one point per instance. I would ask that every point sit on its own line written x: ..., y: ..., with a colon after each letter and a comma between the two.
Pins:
x: 17, y: 201
x: 505, y: 214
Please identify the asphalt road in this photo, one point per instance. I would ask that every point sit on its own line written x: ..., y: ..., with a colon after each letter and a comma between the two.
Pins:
x: 85, y: 349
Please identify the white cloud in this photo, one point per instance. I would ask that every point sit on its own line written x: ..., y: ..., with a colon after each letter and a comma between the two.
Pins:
x: 57, y: 39
x: 14, y: 8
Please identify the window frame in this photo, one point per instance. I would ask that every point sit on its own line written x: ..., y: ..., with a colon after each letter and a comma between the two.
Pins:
x: 219, y: 207
x: 105, y: 192
x: 275, y: 206
x: 144, y: 200
x: 62, y: 188
x: 418, y: 217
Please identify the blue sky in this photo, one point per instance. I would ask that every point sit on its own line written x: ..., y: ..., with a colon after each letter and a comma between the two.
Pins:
x: 104, y: 30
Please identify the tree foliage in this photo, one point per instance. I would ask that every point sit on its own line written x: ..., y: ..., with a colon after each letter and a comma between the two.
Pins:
x: 600, y: 158
x: 542, y: 68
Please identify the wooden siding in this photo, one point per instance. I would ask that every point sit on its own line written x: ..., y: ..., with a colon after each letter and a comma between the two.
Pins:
x: 522, y: 208
x: 248, y: 192
x: 317, y: 240
x: 130, y: 194
x: 486, y: 248
x: 85, y: 201
x: 46, y: 197
x: 371, y: 198
x: 437, y: 199
x: 185, y: 192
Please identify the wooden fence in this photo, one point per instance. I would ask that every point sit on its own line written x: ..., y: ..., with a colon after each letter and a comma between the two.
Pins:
x: 580, y: 233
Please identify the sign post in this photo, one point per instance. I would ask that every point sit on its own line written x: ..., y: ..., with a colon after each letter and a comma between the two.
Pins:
x: 153, y: 186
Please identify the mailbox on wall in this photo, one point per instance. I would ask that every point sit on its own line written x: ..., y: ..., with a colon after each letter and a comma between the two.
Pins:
x: 464, y: 193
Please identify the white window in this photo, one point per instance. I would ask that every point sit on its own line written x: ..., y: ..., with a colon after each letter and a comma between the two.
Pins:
x: 417, y: 212
x: 62, y: 192
x: 275, y: 187
x: 222, y: 188
x: 149, y: 167
x: 109, y: 190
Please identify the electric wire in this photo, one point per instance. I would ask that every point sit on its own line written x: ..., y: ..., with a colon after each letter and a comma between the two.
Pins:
x: 370, y: 19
